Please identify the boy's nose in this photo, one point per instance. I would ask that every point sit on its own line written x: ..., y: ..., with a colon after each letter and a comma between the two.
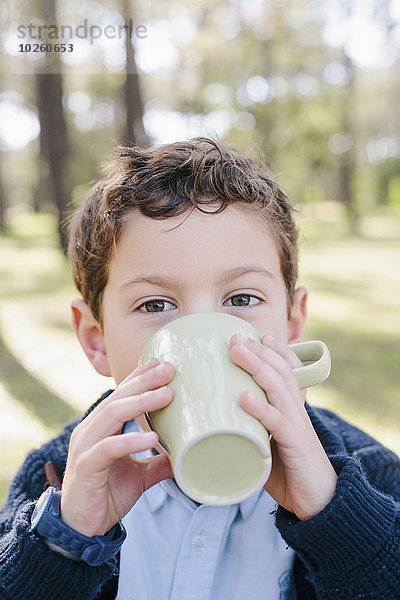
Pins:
x: 202, y: 306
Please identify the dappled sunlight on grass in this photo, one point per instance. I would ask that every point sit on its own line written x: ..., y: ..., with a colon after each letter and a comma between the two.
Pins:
x: 354, y: 285
x: 32, y: 230
x: 45, y: 379
x: 21, y: 381
x: 52, y: 354
x: 34, y: 271
x: 364, y: 369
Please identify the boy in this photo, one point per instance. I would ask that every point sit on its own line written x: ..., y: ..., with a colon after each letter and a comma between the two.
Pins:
x: 185, y: 228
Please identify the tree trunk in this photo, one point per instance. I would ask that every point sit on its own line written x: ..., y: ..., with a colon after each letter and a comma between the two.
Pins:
x: 42, y: 194
x: 53, y: 130
x: 55, y: 144
x: 135, y: 133
x: 348, y: 162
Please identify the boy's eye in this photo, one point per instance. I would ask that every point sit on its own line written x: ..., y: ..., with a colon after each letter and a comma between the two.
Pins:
x: 155, y: 306
x: 242, y: 300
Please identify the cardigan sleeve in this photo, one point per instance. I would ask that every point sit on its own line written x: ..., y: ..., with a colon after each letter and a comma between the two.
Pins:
x: 351, y: 549
x: 29, y: 570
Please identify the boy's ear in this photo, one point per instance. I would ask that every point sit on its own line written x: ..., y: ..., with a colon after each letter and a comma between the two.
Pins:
x: 90, y: 334
x: 297, y: 315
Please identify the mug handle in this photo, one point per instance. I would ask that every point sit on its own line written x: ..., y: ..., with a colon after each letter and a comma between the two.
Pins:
x: 316, y: 360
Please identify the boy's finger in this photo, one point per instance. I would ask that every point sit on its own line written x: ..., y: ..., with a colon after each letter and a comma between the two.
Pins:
x: 265, y: 375
x: 283, y: 350
x: 256, y: 406
x: 269, y: 355
x: 273, y: 374
x: 110, y: 421
x: 154, y: 469
x: 279, y: 347
x: 154, y: 376
x: 140, y: 369
x: 108, y: 450
x: 247, y: 348
x: 94, y: 464
x: 277, y: 423
x: 288, y: 354
x: 148, y: 376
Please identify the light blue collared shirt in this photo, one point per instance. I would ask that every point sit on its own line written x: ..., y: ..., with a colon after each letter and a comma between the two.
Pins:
x: 179, y: 550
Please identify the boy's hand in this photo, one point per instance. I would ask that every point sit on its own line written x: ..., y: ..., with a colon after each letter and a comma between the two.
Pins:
x: 102, y: 482
x: 302, y: 478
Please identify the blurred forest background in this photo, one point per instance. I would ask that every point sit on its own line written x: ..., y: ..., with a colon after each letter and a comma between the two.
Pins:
x: 313, y: 87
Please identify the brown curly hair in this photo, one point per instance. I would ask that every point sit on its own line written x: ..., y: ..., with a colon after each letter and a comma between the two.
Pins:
x: 167, y: 181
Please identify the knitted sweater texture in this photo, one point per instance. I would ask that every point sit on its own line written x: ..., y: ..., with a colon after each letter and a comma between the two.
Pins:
x: 349, y: 551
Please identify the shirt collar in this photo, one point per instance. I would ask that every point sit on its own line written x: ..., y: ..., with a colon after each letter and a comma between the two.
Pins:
x: 157, y: 495
x: 247, y: 506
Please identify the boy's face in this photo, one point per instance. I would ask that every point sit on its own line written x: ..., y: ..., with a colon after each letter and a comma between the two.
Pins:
x: 226, y: 262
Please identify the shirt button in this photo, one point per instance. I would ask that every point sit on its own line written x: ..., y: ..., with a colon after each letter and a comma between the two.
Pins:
x: 199, y: 541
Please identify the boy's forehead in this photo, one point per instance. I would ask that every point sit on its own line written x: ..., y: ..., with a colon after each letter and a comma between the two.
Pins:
x: 239, y: 216
x: 235, y: 240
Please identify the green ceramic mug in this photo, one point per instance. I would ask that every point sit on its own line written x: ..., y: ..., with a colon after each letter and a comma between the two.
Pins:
x: 219, y: 453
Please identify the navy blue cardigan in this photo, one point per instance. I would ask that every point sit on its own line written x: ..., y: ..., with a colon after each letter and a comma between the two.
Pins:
x: 349, y: 551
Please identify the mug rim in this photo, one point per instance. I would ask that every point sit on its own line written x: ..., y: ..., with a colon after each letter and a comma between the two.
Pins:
x: 265, y: 453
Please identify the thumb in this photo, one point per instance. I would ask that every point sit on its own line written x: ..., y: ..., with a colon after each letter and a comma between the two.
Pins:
x: 154, y: 470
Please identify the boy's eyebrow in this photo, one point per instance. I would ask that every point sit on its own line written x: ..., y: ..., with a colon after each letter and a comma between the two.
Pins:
x: 237, y: 272
x: 152, y: 279
x: 225, y: 277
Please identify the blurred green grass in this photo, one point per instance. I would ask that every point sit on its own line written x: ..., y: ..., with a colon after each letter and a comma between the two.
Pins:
x: 354, y: 284
x: 45, y: 379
